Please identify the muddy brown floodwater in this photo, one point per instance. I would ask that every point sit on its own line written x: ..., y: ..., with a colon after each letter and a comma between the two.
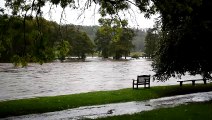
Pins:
x: 57, y: 78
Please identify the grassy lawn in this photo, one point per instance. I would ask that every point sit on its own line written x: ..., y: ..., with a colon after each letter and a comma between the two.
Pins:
x: 56, y: 103
x: 194, y: 111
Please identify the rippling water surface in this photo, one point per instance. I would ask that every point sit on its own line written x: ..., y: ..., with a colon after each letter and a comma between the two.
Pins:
x: 58, y: 78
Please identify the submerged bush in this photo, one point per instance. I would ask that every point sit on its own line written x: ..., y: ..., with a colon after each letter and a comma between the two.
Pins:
x: 136, y: 56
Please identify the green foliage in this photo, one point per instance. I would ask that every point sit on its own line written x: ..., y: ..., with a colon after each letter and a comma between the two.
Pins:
x: 37, y: 37
x: 103, y: 38
x: 184, y: 24
x: 32, y: 45
x: 63, y: 50
x: 151, y: 40
x: 136, y: 56
x: 40, y: 42
x: 138, y: 39
x: 186, y: 38
x: 80, y: 43
x: 19, y: 61
x: 112, y: 6
x: 122, y: 42
x: 113, y: 38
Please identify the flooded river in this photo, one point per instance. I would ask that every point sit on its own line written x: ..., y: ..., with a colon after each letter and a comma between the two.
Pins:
x: 57, y: 78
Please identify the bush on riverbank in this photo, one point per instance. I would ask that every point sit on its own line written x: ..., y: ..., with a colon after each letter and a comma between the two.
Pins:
x: 136, y: 56
x: 56, y: 103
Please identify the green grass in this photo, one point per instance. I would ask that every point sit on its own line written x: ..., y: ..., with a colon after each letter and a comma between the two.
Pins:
x: 56, y: 103
x: 194, y: 111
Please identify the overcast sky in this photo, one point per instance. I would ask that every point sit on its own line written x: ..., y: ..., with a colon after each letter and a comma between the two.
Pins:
x: 91, y: 16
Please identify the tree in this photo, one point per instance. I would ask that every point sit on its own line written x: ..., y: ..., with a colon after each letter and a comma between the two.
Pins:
x: 3, y: 43
x: 27, y: 8
x: 122, y: 44
x: 12, y: 39
x: 82, y: 45
x: 184, y: 24
x: 127, y: 41
x: 114, y: 38
x: 63, y: 50
x: 104, y: 37
x: 33, y: 45
x: 79, y: 41
x: 40, y: 43
x: 151, y: 40
x: 186, y: 35
x: 184, y: 44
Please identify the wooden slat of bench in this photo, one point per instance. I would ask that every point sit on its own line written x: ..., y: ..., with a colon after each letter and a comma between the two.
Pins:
x: 193, y: 81
x: 190, y: 80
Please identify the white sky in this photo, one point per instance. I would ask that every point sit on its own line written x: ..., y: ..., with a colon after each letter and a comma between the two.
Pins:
x: 91, y: 16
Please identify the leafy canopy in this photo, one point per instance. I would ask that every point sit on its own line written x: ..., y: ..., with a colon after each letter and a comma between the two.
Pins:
x: 184, y: 44
x: 113, y: 38
x: 186, y: 37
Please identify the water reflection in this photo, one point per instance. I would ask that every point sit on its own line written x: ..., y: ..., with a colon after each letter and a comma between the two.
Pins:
x: 72, y: 77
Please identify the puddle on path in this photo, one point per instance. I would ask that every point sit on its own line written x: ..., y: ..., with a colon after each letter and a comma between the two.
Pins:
x: 117, y: 108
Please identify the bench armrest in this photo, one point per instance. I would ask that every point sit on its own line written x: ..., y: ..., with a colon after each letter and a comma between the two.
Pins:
x: 134, y: 81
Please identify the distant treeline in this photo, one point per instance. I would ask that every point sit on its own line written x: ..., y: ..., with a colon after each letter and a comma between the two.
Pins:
x: 30, y: 39
x: 138, y: 40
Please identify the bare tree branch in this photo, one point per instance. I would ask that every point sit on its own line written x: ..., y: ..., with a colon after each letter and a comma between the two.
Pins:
x: 131, y: 2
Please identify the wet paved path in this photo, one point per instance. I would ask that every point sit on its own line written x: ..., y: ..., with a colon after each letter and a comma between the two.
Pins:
x: 118, y: 108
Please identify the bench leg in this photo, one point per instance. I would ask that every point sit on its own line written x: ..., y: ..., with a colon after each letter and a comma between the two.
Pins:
x: 147, y: 85
x: 181, y: 83
x: 204, y: 81
x: 193, y: 82
x: 133, y: 85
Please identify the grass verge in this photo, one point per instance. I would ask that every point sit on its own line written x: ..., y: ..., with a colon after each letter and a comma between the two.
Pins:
x: 56, y: 103
x: 193, y: 111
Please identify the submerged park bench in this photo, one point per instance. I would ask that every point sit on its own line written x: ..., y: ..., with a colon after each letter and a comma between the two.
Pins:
x: 142, y: 80
x: 193, y: 81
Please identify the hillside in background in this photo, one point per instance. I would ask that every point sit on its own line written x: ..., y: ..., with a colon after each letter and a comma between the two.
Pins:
x: 138, y: 41
x: 90, y: 30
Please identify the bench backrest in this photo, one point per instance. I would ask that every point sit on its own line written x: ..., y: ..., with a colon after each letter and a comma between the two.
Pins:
x: 143, y: 78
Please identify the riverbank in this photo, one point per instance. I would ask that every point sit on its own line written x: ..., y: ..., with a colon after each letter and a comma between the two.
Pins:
x: 57, y: 103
